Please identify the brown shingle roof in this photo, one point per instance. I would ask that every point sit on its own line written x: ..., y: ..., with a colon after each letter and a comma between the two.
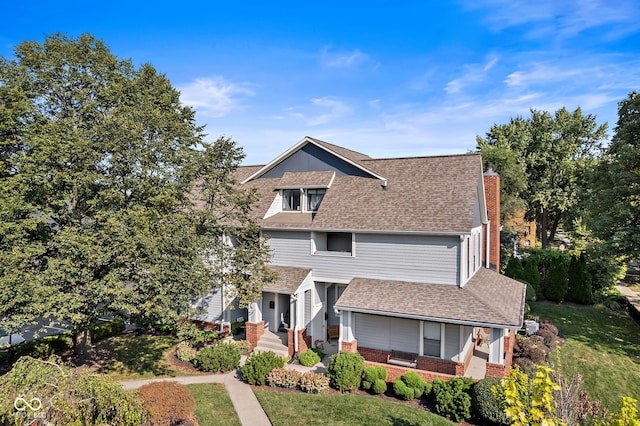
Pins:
x: 487, y: 298
x: 423, y: 194
x: 287, y: 279
x: 354, y: 156
x: 306, y: 179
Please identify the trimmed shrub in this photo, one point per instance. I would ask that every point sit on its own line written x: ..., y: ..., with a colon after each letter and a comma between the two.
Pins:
x: 168, y: 403
x: 45, y: 347
x: 345, y: 370
x: 314, y: 383
x: 371, y: 374
x: 218, y: 358
x: 514, y: 269
x: 532, y: 276
x: 557, y: 280
x: 104, y: 330
x: 485, y: 403
x: 258, y: 366
x: 308, y: 358
x: 379, y: 386
x: 453, y: 398
x: 185, y: 352
x: 402, y: 391
x: 284, y: 378
x: 531, y: 292
x: 236, y: 327
x: 580, y: 286
x: 532, y: 348
x: 419, y: 385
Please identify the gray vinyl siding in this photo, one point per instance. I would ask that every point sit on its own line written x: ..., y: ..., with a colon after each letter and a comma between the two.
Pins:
x: 387, y: 333
x: 477, y: 221
x: 430, y: 259
x: 210, y: 305
x: 451, y: 342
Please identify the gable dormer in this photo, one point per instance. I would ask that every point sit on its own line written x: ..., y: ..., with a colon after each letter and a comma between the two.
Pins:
x: 313, y: 155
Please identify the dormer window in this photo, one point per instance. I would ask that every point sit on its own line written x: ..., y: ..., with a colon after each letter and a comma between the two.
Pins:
x: 291, y: 200
x: 314, y: 198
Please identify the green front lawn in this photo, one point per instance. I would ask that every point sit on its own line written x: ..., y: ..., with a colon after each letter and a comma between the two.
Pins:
x: 304, y: 409
x: 213, y: 405
x: 601, y: 345
x: 132, y: 357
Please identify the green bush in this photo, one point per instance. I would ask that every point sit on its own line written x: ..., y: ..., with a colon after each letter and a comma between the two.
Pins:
x: 235, y: 328
x: 514, y: 269
x: 284, y: 378
x: 345, y: 371
x: 580, y: 286
x: 103, y: 400
x: 44, y: 347
x: 403, y: 391
x: 104, y: 330
x: 186, y: 352
x: 532, y: 276
x: 308, y: 358
x: 452, y: 398
x: 557, y: 280
x: 244, y: 346
x: 371, y: 374
x: 379, y: 386
x: 218, y: 358
x: 485, y: 403
x: 192, y: 333
x: 419, y: 385
x: 314, y: 382
x: 258, y: 366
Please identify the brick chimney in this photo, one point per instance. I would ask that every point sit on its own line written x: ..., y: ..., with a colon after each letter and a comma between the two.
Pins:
x: 492, y: 196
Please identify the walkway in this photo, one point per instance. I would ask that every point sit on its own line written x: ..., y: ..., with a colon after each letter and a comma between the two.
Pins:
x: 633, y: 299
x: 246, y: 404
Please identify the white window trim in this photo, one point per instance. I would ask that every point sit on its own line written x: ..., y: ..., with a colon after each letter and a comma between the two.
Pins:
x: 421, y: 345
x: 327, y: 253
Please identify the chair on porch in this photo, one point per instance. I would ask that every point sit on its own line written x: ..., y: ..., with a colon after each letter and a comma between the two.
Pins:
x: 333, y: 332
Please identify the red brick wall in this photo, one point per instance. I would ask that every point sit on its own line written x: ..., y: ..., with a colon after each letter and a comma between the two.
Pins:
x: 304, y: 341
x: 393, y: 371
x: 254, y: 331
x: 492, y: 195
x: 350, y: 346
x: 432, y: 365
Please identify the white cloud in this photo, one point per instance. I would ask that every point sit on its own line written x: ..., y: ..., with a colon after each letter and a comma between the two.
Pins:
x: 322, y: 111
x: 214, y: 97
x: 342, y: 59
x: 473, y: 74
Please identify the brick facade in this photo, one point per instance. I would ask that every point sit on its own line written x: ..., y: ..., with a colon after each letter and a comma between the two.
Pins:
x: 254, y: 331
x: 492, y: 195
x: 304, y: 341
x: 351, y: 346
x: 426, y: 365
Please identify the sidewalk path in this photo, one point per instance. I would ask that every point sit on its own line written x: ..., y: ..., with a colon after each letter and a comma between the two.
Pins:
x: 246, y: 404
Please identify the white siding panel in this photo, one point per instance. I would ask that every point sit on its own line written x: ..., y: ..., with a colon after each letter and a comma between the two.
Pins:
x: 395, y: 257
x: 451, y: 342
x: 386, y: 333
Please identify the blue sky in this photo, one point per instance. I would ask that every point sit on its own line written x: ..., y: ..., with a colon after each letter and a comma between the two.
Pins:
x: 399, y: 78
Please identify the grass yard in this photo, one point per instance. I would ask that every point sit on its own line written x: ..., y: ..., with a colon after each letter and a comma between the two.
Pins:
x: 213, y: 405
x: 601, y: 345
x: 304, y: 409
x: 133, y: 357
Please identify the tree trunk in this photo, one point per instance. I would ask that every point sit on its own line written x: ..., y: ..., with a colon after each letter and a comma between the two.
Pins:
x: 543, y: 228
x: 82, y: 344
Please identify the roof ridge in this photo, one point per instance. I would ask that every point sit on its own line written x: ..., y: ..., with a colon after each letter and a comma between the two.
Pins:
x: 467, y: 154
x: 339, y: 146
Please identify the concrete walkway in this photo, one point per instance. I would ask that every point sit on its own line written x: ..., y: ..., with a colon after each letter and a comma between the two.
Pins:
x: 246, y: 404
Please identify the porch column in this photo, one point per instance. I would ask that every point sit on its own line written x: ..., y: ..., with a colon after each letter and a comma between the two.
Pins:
x: 496, y: 346
x: 254, y: 327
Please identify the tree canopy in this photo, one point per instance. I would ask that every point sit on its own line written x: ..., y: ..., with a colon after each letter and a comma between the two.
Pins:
x: 615, y: 202
x: 542, y: 161
x: 111, y: 201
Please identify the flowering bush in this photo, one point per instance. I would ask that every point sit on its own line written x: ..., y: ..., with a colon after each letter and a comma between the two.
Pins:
x: 314, y: 382
x: 284, y: 378
x: 186, y: 352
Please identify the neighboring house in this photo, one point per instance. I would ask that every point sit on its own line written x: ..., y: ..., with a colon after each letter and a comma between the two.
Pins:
x: 526, y: 230
x: 396, y: 257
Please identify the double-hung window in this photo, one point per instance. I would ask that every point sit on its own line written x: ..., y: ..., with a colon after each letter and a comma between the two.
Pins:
x: 314, y: 198
x: 291, y: 200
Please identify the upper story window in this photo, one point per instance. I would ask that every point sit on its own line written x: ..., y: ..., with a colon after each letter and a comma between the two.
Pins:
x: 291, y: 200
x: 314, y: 198
x: 334, y: 243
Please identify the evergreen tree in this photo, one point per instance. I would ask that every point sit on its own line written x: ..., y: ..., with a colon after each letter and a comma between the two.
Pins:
x: 531, y: 275
x: 579, y: 284
x: 557, y: 280
x: 514, y: 269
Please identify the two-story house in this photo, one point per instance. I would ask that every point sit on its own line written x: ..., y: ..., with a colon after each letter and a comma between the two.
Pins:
x: 394, y: 257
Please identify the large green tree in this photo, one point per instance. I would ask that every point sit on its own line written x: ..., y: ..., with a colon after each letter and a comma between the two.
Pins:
x: 103, y: 204
x: 543, y: 161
